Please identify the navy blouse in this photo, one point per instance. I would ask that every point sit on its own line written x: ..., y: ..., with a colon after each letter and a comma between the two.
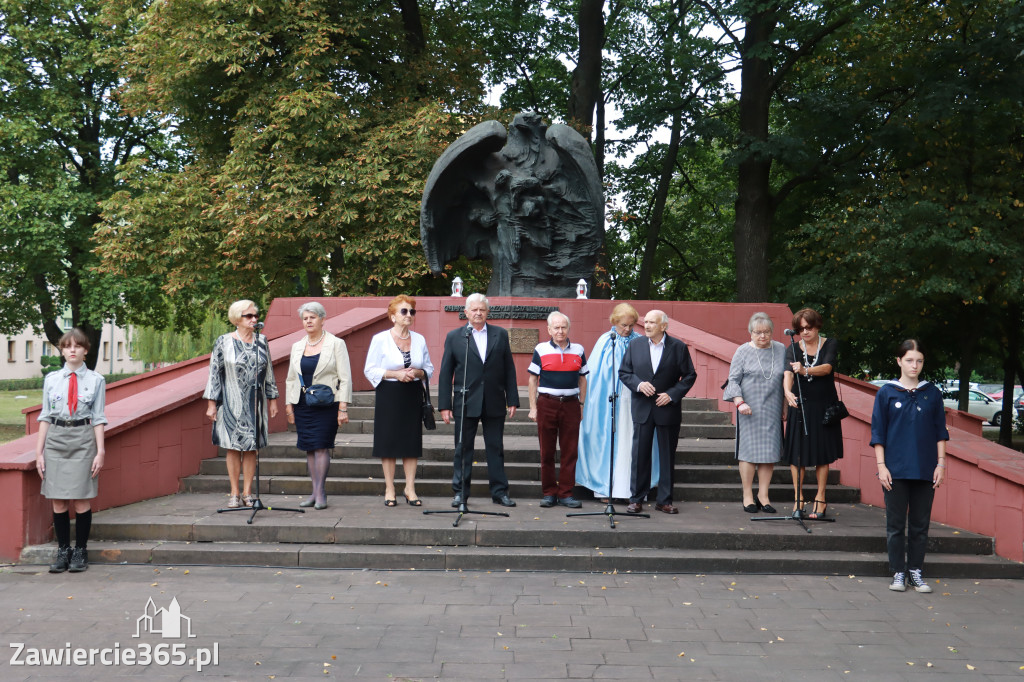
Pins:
x: 909, y: 424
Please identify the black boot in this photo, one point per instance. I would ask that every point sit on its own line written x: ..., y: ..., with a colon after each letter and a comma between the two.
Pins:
x: 79, y: 560
x: 60, y: 560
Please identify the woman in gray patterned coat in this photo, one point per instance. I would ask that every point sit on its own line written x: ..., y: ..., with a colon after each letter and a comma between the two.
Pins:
x: 240, y: 385
x: 755, y: 387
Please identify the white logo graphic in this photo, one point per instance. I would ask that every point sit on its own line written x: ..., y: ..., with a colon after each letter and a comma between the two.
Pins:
x: 169, y: 623
x: 164, y: 622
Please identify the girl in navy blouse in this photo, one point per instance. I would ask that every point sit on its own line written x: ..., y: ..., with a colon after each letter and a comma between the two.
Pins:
x: 908, y: 431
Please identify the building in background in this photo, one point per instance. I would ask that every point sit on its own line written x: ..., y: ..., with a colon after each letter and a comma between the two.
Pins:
x: 24, y: 352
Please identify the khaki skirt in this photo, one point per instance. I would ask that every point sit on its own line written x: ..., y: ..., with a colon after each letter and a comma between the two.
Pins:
x: 68, y: 454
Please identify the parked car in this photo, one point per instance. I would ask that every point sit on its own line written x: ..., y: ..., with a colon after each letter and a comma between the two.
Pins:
x: 998, y: 395
x: 978, y: 404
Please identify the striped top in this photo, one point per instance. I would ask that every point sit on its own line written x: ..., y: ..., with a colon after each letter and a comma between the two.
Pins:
x: 559, y: 369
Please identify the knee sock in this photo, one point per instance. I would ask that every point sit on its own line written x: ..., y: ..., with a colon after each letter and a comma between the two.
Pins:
x: 62, y: 528
x: 83, y: 525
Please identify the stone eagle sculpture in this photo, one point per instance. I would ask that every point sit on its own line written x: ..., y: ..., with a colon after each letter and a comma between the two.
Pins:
x: 531, y: 201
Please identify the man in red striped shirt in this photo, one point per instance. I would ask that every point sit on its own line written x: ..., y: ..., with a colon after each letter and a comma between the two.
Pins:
x: 558, y: 387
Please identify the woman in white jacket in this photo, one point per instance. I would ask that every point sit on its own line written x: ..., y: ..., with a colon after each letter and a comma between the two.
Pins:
x: 398, y: 365
x: 319, y: 359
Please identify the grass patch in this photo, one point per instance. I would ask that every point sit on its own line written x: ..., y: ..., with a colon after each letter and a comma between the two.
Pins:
x: 9, y: 432
x: 12, y: 421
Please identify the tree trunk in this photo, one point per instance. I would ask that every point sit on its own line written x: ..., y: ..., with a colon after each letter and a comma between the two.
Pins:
x: 1011, y: 368
x: 413, y: 26
x: 586, y: 77
x: 643, y: 287
x: 754, y: 202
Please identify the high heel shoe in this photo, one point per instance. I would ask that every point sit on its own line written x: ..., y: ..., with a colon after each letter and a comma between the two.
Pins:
x: 413, y: 503
x: 815, y: 513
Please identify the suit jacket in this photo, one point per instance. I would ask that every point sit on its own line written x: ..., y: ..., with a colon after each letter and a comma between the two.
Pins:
x: 491, y: 384
x: 675, y: 376
x: 332, y: 369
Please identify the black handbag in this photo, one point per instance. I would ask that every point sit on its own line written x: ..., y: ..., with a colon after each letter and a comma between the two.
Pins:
x: 835, y: 413
x: 428, y: 411
x: 317, y: 395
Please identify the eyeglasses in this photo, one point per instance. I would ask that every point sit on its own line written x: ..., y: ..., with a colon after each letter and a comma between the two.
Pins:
x: 765, y: 333
x: 805, y: 328
x: 407, y: 311
x: 251, y: 316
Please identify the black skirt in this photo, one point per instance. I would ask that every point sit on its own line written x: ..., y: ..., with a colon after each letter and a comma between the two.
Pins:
x: 317, y: 427
x: 823, y: 444
x: 397, y: 420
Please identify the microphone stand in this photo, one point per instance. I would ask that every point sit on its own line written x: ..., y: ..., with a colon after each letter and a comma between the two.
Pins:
x: 467, y: 466
x: 257, y: 503
x: 613, y: 398
x: 798, y: 513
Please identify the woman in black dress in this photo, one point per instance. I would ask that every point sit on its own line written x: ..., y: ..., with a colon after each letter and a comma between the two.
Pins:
x: 812, y: 362
x: 320, y: 358
x: 398, y: 365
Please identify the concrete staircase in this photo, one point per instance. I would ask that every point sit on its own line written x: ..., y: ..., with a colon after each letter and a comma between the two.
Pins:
x: 711, y: 533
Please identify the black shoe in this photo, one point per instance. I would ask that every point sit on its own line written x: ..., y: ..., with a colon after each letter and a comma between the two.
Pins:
x: 60, y: 560
x: 457, y: 500
x: 570, y: 502
x: 79, y: 560
x: 547, y: 501
x: 504, y: 501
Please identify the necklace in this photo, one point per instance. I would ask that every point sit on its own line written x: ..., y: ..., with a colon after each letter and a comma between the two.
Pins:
x: 322, y: 335
x: 771, y: 368
x: 817, y: 354
x: 247, y: 343
x: 403, y: 338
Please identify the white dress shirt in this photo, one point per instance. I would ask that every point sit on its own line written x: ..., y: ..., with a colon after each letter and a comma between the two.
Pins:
x: 656, y: 350
x: 481, y: 341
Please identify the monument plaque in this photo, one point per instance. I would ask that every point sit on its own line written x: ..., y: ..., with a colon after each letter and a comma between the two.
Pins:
x: 523, y: 340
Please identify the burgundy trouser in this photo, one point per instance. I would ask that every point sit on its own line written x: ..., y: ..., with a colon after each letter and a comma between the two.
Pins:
x: 558, y: 422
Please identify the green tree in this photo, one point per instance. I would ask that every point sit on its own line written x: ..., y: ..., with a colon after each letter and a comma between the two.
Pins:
x: 310, y: 127
x: 63, y: 133
x: 925, y: 239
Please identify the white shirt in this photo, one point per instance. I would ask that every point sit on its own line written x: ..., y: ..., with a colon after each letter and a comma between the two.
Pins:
x: 656, y: 350
x: 481, y: 341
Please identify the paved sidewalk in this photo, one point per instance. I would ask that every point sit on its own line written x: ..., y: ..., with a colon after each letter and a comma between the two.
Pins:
x: 390, y: 625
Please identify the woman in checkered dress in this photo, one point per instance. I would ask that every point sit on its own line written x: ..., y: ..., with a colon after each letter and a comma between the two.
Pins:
x: 755, y: 387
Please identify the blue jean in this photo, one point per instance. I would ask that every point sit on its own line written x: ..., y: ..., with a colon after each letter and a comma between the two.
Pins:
x: 908, y: 511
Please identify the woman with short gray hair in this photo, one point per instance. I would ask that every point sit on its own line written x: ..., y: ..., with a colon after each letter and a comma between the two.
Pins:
x: 755, y: 387
x: 320, y: 359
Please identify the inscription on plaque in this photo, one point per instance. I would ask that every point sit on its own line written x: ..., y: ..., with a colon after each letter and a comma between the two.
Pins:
x: 508, y: 312
x: 523, y: 340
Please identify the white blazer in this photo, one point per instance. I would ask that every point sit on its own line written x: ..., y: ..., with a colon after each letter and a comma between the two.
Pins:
x: 384, y: 354
x: 332, y: 369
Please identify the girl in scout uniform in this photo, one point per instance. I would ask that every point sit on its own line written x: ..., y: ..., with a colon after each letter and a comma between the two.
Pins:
x: 69, y: 450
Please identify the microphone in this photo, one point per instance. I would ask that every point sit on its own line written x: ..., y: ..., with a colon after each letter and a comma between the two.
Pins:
x: 469, y: 330
x: 259, y: 325
x: 790, y: 332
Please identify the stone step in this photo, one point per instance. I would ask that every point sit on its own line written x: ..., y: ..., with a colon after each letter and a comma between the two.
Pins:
x: 517, y: 448
x: 702, y: 425
x: 691, y: 414
x: 366, y: 467
x: 519, y: 487
x: 845, y: 565
x: 365, y: 520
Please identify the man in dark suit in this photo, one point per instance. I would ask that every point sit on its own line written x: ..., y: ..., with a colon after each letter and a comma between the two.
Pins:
x: 659, y: 372
x: 481, y: 353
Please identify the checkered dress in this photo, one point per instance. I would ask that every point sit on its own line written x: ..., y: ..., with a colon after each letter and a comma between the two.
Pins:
x: 758, y: 435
